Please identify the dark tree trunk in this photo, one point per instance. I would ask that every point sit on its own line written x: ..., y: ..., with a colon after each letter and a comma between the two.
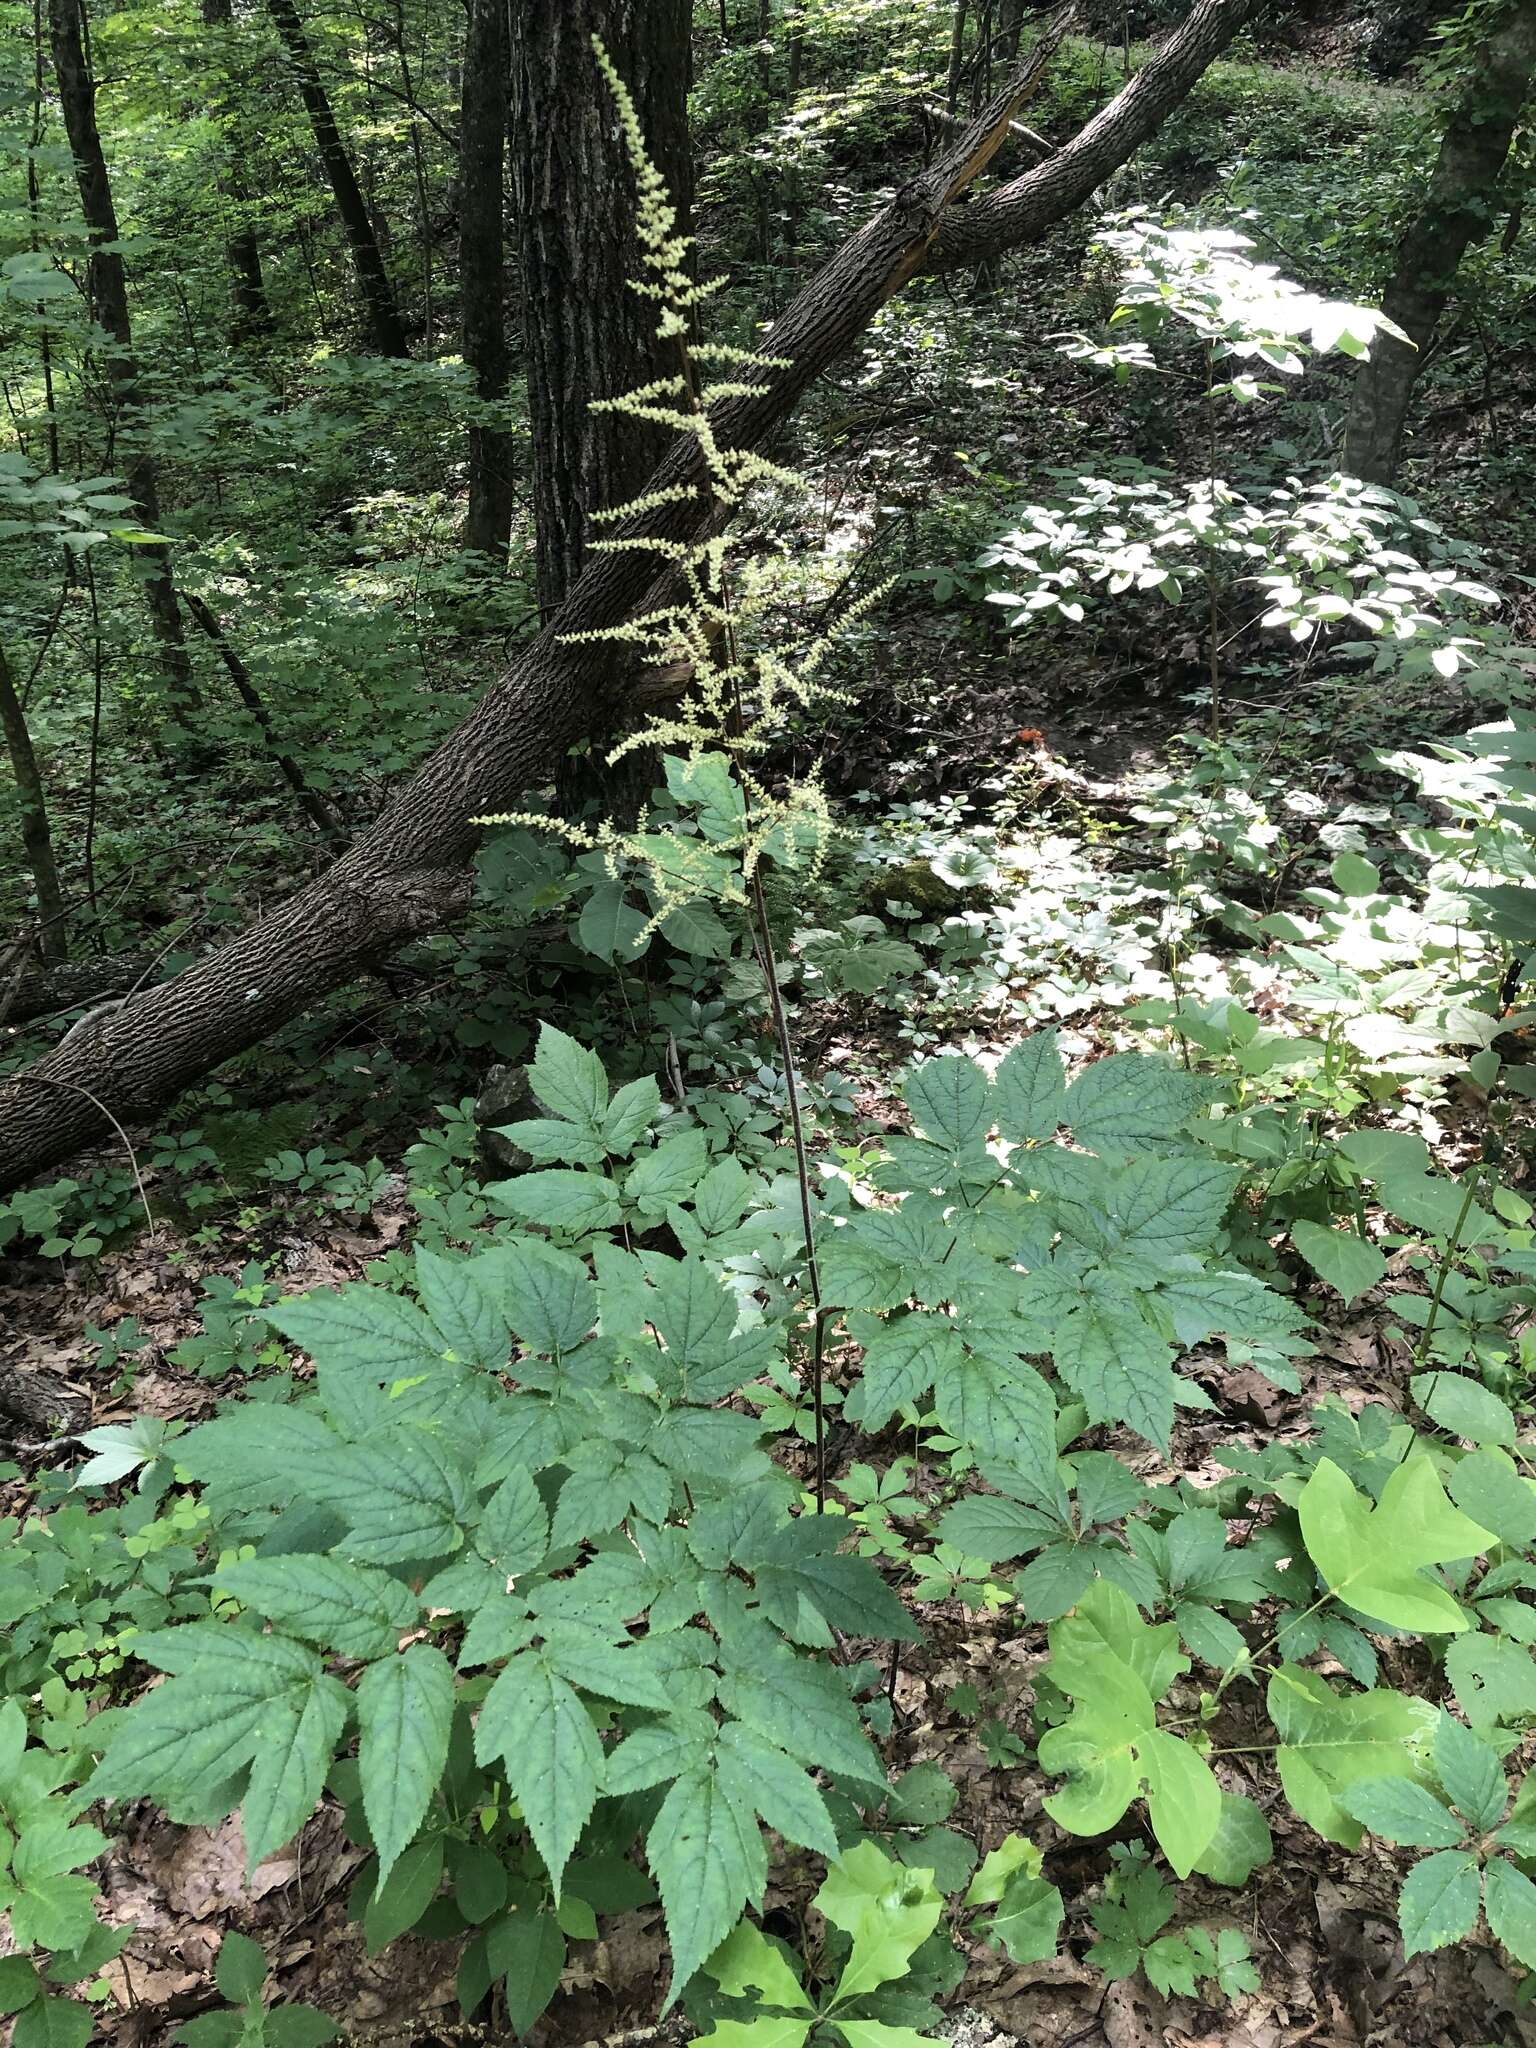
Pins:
x: 251, y: 315
x: 482, y: 267
x: 587, y: 335
x: 32, y: 804
x: 1459, y: 209
x: 409, y: 874
x: 381, y: 316
x: 108, y: 288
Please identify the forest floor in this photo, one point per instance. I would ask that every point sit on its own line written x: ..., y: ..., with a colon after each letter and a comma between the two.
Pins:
x: 1320, y: 1922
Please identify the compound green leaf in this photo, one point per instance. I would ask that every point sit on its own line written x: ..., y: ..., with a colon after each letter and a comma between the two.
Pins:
x: 568, y: 1078
x: 1439, y: 1901
x: 907, y: 1356
x: 535, y: 1723
x: 563, y: 1198
x: 404, y: 1712
x: 1401, y: 1810
x: 1470, y: 1773
x: 1131, y: 1102
x: 1030, y: 1089
x: 351, y: 1609
x: 707, y: 1857
x: 298, y: 1738
x: 514, y: 1526
x: 950, y: 1101
x: 1509, y: 1900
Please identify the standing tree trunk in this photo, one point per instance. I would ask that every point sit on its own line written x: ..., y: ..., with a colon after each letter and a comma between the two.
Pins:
x: 409, y: 874
x: 381, y: 316
x: 36, y: 839
x: 108, y: 291
x: 1458, y: 210
x: 587, y: 335
x: 251, y: 315
x: 482, y: 268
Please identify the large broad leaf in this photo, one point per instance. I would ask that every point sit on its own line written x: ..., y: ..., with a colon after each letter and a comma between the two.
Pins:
x: 535, y: 1723
x: 404, y: 1712
x: 1509, y: 1900
x: 1107, y: 1352
x: 514, y: 1526
x: 362, y: 1331
x: 1375, y: 1557
x: 563, y: 1199
x: 708, y: 1860
x: 1349, y: 1263
x: 546, y: 1295
x: 461, y: 1298
x: 1329, y: 1744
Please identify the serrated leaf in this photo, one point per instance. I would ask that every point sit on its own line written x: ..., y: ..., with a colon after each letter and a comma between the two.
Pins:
x: 561, y: 1198
x: 777, y: 1788
x: 1439, y: 1901
x: 907, y: 1356
x: 708, y: 1860
x: 536, y: 1725
x: 404, y: 1713
x: 1470, y: 1773
x: 513, y: 1533
x: 1030, y: 1089
x: 1374, y: 1557
x: 567, y: 1078
x: 1509, y: 1900
x: 240, y: 1969
x: 986, y: 1526
x: 1401, y: 1810
x: 609, y: 927
x: 950, y: 1100
x: 1132, y: 1102
x: 1464, y: 1406
x: 298, y: 1737
x: 352, y: 1609
x: 547, y: 1295
x: 459, y: 1296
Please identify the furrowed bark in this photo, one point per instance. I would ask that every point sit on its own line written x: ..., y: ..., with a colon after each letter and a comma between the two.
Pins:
x: 32, y: 805
x: 1459, y: 208
x: 381, y: 315
x: 586, y: 333
x: 482, y: 269
x: 108, y: 287
x: 408, y: 876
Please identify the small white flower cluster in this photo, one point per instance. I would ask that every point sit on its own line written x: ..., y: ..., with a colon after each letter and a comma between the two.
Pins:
x: 737, y: 693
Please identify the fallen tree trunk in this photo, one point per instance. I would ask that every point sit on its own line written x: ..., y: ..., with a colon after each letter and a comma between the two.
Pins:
x: 409, y: 874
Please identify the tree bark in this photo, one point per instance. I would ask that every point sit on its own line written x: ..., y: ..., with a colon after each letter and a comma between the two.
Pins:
x: 250, y: 313
x: 381, y: 315
x: 408, y: 876
x: 107, y: 282
x: 482, y: 269
x: 1459, y: 208
x: 32, y: 804
x: 586, y: 334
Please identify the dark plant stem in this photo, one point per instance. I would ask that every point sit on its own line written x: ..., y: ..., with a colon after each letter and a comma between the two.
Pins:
x: 802, y: 1175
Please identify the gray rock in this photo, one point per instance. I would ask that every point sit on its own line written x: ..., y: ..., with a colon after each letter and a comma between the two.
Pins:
x: 506, y: 1097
